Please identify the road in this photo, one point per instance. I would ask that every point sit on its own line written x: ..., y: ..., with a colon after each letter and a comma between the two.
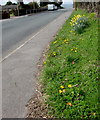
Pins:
x: 19, y: 70
x: 16, y: 31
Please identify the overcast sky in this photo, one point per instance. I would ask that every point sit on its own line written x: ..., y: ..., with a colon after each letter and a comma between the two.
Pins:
x: 3, y: 2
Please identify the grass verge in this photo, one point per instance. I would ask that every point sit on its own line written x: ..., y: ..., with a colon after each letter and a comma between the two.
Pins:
x: 12, y: 15
x: 70, y: 72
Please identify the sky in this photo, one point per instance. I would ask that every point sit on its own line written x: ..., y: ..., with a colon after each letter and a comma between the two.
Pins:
x: 3, y: 2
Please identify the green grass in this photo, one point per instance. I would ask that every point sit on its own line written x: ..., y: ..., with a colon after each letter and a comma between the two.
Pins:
x: 72, y: 62
x: 12, y: 15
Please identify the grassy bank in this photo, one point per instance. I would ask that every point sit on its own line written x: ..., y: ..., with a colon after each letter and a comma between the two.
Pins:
x: 70, y: 72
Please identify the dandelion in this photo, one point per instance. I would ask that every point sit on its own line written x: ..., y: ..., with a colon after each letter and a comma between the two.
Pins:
x: 94, y: 114
x: 65, y: 40
x: 54, y: 42
x: 60, y: 91
x: 74, y: 49
x: 54, y: 53
x: 71, y: 31
x: 62, y: 86
x: 45, y: 62
x: 70, y: 86
x: 69, y: 104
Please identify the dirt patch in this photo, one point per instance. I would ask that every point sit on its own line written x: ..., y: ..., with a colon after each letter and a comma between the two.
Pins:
x: 37, y: 107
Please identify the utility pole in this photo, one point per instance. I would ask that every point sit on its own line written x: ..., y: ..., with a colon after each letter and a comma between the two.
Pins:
x: 74, y: 1
x: 18, y: 3
x: 33, y: 4
x: 18, y: 6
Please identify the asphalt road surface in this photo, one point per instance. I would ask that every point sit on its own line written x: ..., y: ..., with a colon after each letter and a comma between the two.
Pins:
x: 16, y: 31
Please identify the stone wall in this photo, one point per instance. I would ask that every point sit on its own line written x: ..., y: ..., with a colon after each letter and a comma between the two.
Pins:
x: 89, y: 6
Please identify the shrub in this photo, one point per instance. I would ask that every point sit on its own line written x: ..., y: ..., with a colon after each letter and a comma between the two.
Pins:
x: 21, y: 12
x: 5, y: 15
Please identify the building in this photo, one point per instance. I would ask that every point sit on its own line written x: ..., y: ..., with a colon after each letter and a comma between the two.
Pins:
x: 8, y: 7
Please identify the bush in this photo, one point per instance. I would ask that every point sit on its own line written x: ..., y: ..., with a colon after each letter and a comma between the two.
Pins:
x: 15, y: 12
x: 21, y: 12
x: 5, y: 15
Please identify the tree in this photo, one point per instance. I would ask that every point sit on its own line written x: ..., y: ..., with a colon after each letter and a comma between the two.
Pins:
x: 33, y: 5
x: 14, y: 4
x: 44, y: 2
x: 58, y: 2
x: 9, y: 3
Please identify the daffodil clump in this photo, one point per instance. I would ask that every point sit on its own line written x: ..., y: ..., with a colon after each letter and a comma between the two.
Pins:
x: 79, y: 23
x: 74, y: 20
